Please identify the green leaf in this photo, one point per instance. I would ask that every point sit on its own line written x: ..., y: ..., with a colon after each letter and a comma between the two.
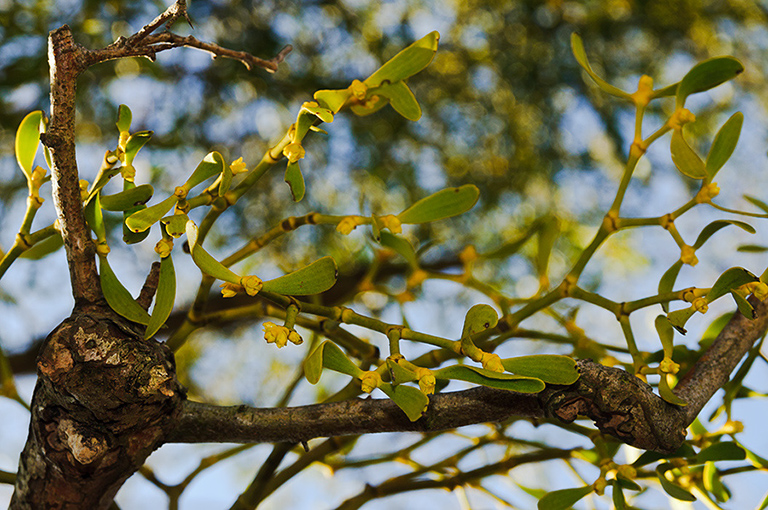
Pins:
x: 27, y: 141
x: 212, y: 164
x: 669, y: 90
x: 666, y: 392
x: 320, y: 112
x: 295, y: 181
x: 124, y: 117
x: 666, y: 334
x: 564, y: 498
x: 95, y: 218
x: 684, y: 158
x: 372, y: 105
x: 400, y: 374
x: 226, y: 180
x: 670, y: 488
x: 205, y: 260
x: 500, y: 380
x: 102, y: 179
x: 648, y: 457
x: 315, y: 278
x: 678, y: 318
x: 724, y: 450
x: 164, y: 298
x: 333, y: 100
x: 712, y: 483
x: 118, y: 298
x: 759, y: 203
x: 744, y: 307
x: 145, y: 218
x: 43, y: 248
x: 411, y: 400
x: 667, y: 282
x: 175, y: 224
x: 729, y: 280
x: 135, y: 142
x: 716, y: 225
x: 764, y: 503
x: 127, y: 199
x: 619, y: 503
x: 626, y: 483
x: 401, y: 98
x: 550, y: 368
x: 399, y: 245
x: 407, y: 62
x: 328, y: 355
x: 478, y: 319
x: 510, y: 248
x: 577, y: 46
x: 130, y: 237
x: 725, y: 142
x: 706, y: 75
x: 752, y: 248
x: 443, y: 204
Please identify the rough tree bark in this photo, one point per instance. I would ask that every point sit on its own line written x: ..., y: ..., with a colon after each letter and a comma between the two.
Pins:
x: 106, y: 398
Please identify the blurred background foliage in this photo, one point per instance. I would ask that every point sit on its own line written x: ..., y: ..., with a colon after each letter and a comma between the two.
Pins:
x: 505, y: 104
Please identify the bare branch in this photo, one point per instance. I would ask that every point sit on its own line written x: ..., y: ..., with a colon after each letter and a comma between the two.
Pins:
x: 150, y: 286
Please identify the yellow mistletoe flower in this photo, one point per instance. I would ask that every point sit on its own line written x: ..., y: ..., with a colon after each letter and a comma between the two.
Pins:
x: 164, y: 247
x: 758, y: 289
x: 680, y: 118
x: 83, y: 189
x: 707, y: 193
x: 275, y: 334
x: 701, y: 304
x: 688, y: 255
x: 294, y: 152
x: 391, y: 222
x: 295, y: 338
x: 369, y: 381
x: 237, y: 166
x: 492, y: 362
x: 668, y: 366
x: 427, y: 381
x: 230, y: 289
x: 358, y: 89
x: 347, y: 225
x: 251, y: 284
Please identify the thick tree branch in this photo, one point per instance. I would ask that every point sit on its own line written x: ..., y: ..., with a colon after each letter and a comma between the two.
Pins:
x: 619, y: 403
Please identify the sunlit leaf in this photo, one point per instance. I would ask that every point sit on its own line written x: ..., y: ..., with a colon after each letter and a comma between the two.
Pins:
x: 43, y: 248
x: 124, y: 118
x: 135, y: 142
x: 315, y: 278
x: 321, y: 113
x: 724, y: 144
x: 400, y: 245
x: 95, y: 218
x: 226, y: 180
x: 407, y: 62
x: 205, y: 260
x: 479, y: 318
x: 730, y: 279
x: 443, y: 204
x: 547, y: 236
x: 130, y: 237
x: 685, y: 159
x: 328, y: 355
x: 666, y: 392
x: 212, y: 164
x: 333, y: 100
x: 564, y: 498
x: 577, y: 46
x: 500, y: 380
x: 669, y: 90
x: 706, y: 75
x: 27, y: 141
x: 401, y: 98
x: 164, y: 297
x: 411, y: 400
x: 295, y: 181
x: 118, y: 297
x: 716, y: 225
x: 667, y: 282
x: 400, y: 374
x: 127, y: 199
x: 372, y: 105
x: 666, y: 334
x: 712, y: 483
x: 670, y: 488
x: 550, y: 368
x: 145, y: 218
